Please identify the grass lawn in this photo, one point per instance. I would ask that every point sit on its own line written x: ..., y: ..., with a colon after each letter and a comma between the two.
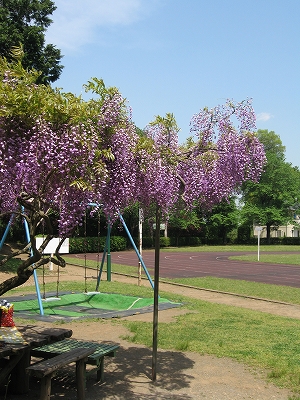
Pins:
x: 257, y: 339
x: 270, y: 258
x: 260, y: 340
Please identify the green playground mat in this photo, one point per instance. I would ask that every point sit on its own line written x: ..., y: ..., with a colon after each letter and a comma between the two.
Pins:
x: 86, y: 305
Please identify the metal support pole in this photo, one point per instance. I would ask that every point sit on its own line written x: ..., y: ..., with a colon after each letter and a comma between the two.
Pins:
x: 136, y: 250
x: 156, y: 282
x: 141, y: 219
x: 258, y: 245
x: 37, y: 288
x: 6, y: 231
x: 102, y: 264
x: 108, y: 254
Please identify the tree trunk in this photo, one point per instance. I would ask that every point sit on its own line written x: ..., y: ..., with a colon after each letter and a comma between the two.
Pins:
x: 12, y: 283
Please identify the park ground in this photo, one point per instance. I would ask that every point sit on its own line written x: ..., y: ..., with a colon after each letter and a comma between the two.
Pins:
x: 180, y: 375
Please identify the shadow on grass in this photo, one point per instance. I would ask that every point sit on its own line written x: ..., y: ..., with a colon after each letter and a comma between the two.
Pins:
x: 10, y: 266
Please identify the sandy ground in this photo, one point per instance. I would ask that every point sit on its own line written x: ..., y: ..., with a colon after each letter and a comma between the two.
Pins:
x: 180, y: 375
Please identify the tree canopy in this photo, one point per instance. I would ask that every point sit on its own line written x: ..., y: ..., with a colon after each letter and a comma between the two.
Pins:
x: 223, y: 219
x: 269, y: 202
x: 24, y: 22
x: 58, y: 153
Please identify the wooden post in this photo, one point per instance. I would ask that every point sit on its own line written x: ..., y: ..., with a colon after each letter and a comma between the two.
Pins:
x: 46, y: 387
x: 19, y: 381
x: 80, y: 379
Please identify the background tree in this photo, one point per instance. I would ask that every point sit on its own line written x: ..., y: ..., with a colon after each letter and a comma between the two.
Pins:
x: 25, y: 22
x: 221, y: 221
x: 185, y: 223
x: 269, y: 201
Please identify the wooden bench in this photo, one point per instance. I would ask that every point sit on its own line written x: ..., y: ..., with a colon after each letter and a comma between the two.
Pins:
x: 46, y: 369
x: 100, y: 350
x: 15, y: 356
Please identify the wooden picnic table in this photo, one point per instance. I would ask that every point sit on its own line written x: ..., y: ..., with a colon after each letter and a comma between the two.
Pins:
x: 15, y: 352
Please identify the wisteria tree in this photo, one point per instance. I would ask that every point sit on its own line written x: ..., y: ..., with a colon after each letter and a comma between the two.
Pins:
x: 217, y: 160
x: 58, y: 153
x: 55, y: 157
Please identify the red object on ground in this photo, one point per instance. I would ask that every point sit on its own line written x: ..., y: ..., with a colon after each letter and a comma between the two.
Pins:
x: 6, y: 318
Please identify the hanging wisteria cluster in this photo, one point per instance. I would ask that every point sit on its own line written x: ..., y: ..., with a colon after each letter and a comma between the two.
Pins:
x: 225, y: 154
x: 220, y: 159
x: 65, y: 167
x: 73, y: 153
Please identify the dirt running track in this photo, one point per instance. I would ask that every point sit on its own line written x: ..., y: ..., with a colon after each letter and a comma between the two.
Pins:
x: 200, y: 264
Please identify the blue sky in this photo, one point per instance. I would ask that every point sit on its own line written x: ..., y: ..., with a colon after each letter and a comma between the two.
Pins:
x: 179, y: 56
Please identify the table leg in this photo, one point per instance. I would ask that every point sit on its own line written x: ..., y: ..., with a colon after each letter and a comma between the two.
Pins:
x: 100, y: 370
x: 19, y: 377
x: 46, y: 387
x: 8, y: 367
x: 80, y: 379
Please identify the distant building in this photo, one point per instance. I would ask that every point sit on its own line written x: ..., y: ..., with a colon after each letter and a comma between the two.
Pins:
x: 288, y: 230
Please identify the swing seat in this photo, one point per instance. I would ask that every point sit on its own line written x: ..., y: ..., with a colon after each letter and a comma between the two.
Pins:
x: 90, y: 293
x: 51, y: 299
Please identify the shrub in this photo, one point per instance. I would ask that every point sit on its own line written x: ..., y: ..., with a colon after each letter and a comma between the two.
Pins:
x: 147, y: 242
x: 164, y: 241
x: 118, y: 243
x: 95, y: 244
x: 291, y: 240
x: 194, y: 241
x: 185, y: 241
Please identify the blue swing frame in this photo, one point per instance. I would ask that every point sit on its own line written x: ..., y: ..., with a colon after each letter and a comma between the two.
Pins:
x: 105, y: 252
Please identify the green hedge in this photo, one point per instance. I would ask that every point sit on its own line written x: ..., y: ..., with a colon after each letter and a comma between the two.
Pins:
x: 291, y: 240
x: 185, y: 241
x: 164, y: 241
x: 149, y: 242
x: 95, y: 244
x: 273, y: 241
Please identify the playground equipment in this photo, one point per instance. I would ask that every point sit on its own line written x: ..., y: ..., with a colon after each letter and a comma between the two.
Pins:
x: 50, y: 249
x: 106, y: 254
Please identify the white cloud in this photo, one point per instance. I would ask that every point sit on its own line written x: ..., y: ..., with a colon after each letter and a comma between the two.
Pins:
x: 264, y: 116
x: 75, y: 21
